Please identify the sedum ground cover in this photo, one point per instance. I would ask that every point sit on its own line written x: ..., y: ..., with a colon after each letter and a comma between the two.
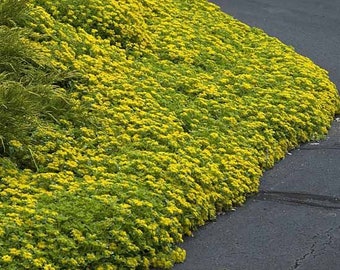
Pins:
x: 174, y: 113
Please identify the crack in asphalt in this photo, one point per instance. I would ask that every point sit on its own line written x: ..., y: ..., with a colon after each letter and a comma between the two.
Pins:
x: 314, y: 247
x: 311, y: 251
x: 314, y: 200
x: 328, y: 243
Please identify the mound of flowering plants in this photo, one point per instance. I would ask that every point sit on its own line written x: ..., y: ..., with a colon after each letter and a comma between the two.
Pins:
x: 177, y: 111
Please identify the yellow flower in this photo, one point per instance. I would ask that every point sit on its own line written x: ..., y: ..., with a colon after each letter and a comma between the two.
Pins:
x: 49, y: 267
x: 27, y: 255
x: 6, y: 258
x: 14, y: 251
x: 39, y: 262
x: 15, y: 143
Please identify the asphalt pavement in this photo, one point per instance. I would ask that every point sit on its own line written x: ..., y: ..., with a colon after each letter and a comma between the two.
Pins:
x: 294, y: 221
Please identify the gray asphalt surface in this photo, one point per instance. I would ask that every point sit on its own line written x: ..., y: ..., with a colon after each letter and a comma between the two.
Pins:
x: 294, y: 222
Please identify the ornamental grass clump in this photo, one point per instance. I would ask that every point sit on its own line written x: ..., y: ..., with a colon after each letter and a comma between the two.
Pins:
x: 28, y: 85
x: 177, y: 110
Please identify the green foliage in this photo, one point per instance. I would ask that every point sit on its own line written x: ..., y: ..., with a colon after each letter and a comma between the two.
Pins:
x: 13, y: 12
x: 28, y: 89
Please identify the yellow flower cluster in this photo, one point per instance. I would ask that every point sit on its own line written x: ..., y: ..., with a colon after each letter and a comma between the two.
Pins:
x: 178, y: 111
